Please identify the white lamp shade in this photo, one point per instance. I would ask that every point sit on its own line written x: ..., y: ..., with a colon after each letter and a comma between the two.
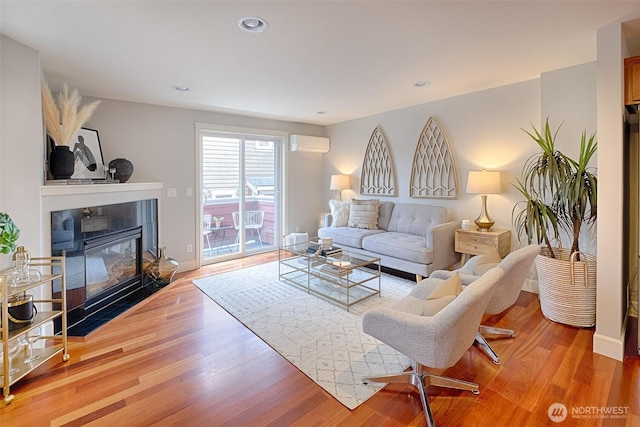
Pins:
x: 339, y: 182
x: 484, y: 182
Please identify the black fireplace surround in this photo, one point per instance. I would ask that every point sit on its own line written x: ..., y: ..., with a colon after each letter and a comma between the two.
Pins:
x: 106, y: 248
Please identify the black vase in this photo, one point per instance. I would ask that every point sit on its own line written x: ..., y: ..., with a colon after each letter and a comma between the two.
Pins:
x: 123, y: 167
x: 61, y: 162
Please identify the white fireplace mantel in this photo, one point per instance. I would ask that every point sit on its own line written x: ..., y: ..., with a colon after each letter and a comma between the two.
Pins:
x: 98, y: 190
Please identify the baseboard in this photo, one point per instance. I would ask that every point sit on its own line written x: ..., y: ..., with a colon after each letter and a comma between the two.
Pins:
x: 611, y: 347
x: 188, y: 265
x: 531, y: 285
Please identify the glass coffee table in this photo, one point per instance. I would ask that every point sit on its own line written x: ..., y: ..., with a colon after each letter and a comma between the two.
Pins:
x: 339, y: 276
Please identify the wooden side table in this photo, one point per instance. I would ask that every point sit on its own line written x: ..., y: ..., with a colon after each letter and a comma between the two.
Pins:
x: 473, y: 242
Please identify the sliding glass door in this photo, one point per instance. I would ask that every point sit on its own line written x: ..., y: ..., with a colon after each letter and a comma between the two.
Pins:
x: 240, y: 178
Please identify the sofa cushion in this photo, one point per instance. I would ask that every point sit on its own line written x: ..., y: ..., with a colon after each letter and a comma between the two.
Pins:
x: 416, y: 219
x: 386, y: 208
x: 347, y: 236
x: 364, y: 214
x: 339, y: 212
x: 408, y: 247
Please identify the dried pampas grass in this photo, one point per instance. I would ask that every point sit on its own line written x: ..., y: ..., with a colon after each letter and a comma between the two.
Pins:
x: 63, y: 120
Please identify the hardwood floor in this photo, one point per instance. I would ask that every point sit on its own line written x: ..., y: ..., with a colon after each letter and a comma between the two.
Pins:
x: 178, y: 359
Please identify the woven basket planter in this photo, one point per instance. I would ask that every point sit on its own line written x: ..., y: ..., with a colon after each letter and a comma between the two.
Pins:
x: 567, y: 287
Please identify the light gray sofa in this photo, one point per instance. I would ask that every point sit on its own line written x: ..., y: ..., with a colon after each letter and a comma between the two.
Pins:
x: 411, y: 237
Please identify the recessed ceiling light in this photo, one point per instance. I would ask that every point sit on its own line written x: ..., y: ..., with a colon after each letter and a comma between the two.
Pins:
x: 253, y: 24
x: 422, y: 83
x: 180, y: 88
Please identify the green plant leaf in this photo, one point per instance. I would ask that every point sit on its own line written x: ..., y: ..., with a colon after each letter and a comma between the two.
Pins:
x: 9, y: 234
x: 560, y: 193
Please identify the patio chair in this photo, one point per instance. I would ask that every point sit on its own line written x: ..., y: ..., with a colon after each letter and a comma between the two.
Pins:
x: 206, y: 229
x: 252, y: 221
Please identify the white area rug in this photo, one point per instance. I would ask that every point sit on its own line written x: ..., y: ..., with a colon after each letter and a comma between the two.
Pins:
x: 321, y: 339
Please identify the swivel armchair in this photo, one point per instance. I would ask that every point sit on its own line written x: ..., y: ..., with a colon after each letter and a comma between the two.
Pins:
x: 435, y: 341
x: 516, y: 265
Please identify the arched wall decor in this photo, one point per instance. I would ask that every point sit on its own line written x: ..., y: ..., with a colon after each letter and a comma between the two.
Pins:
x: 433, y: 174
x: 378, y: 172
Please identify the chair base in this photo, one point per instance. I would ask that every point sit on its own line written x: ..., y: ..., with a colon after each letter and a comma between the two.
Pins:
x: 484, y: 345
x: 421, y: 380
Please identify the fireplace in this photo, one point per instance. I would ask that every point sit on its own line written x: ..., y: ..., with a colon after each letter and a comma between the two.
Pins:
x: 106, y: 248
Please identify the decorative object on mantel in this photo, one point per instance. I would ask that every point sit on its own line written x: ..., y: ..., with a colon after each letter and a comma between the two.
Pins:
x: 484, y: 182
x: 60, y: 162
x: 63, y: 120
x: 87, y: 154
x: 433, y: 174
x: 123, y: 169
x: 162, y: 269
x: 378, y: 171
x: 560, y: 193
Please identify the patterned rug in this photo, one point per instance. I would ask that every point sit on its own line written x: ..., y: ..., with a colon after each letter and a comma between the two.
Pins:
x: 321, y: 339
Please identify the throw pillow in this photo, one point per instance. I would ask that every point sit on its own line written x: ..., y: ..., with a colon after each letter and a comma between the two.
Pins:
x: 433, y: 306
x: 442, y: 295
x: 339, y: 212
x: 486, y: 262
x: 386, y: 208
x: 364, y: 214
x: 450, y: 286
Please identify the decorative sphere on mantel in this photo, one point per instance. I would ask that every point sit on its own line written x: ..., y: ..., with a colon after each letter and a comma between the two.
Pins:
x: 123, y: 167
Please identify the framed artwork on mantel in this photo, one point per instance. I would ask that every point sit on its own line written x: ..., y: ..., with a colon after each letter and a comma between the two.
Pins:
x: 87, y: 153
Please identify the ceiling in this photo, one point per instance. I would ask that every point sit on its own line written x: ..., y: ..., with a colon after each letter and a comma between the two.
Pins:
x: 348, y: 59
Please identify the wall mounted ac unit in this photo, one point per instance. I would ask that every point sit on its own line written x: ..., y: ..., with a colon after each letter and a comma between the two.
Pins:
x: 313, y: 144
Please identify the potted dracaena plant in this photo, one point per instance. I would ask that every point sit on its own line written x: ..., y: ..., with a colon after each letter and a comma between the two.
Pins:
x: 560, y: 196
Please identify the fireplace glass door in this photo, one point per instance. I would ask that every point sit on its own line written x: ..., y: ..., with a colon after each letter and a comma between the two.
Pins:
x: 111, y: 261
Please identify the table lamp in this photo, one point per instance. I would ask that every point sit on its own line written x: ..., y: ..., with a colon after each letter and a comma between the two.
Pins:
x: 484, y: 182
x: 339, y: 182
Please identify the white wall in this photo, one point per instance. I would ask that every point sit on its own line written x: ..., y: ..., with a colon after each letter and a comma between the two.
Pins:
x: 568, y: 99
x: 305, y: 187
x: 484, y: 131
x: 610, y: 311
x: 161, y: 144
x: 160, y: 141
x: 21, y: 146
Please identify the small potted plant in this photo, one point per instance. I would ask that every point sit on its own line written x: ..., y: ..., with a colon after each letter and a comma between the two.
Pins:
x: 9, y: 234
x: 218, y: 221
x: 560, y: 195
